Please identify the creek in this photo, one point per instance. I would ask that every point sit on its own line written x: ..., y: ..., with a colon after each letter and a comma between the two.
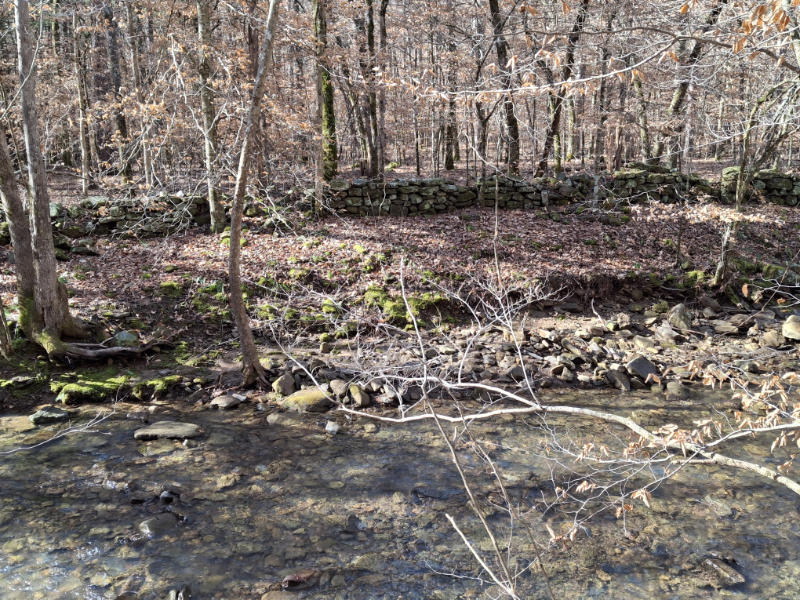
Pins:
x: 362, y: 514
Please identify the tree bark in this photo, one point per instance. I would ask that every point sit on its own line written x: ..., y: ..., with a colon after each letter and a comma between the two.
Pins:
x: 112, y: 35
x: 512, y: 125
x: 327, y: 115
x: 251, y: 367
x: 83, y: 104
x: 50, y: 300
x: 20, y: 233
x: 209, y: 112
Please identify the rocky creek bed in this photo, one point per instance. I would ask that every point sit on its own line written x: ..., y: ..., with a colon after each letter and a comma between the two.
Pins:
x: 260, y: 497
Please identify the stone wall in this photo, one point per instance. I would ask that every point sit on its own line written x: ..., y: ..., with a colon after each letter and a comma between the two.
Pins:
x: 636, y: 182
x: 768, y: 185
x: 148, y: 217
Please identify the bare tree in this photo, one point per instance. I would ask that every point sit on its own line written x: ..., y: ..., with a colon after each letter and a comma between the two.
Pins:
x: 251, y: 367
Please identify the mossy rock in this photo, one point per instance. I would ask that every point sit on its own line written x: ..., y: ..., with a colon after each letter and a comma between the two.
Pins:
x: 90, y: 387
x: 155, y: 388
x: 308, y: 400
x: 660, y: 307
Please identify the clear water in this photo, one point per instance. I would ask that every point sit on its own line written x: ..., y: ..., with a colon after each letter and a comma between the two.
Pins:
x: 364, y: 510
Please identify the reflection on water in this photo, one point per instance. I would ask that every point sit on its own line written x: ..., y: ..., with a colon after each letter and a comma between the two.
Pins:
x: 360, y: 514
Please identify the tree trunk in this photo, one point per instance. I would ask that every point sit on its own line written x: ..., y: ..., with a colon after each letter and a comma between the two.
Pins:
x: 50, y: 299
x: 251, y: 367
x: 209, y: 112
x: 112, y: 35
x: 641, y: 118
x: 147, y: 163
x: 511, y: 123
x: 557, y: 99
x: 325, y: 103
x: 675, y: 121
x: 83, y: 104
x: 20, y: 232
x: 450, y: 135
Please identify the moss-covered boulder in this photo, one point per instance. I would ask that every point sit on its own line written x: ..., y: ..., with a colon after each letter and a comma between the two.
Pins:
x: 90, y: 387
x: 308, y: 400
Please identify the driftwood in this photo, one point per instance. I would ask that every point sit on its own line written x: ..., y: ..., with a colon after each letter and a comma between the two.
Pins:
x: 101, y: 352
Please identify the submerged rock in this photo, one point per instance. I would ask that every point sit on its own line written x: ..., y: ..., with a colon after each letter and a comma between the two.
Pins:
x: 158, y: 525
x: 49, y: 414
x: 619, y: 380
x: 169, y: 430
x: 720, y: 574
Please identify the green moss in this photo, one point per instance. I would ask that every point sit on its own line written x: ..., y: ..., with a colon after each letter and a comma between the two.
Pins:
x: 90, y: 386
x: 267, y: 312
x: 329, y: 307
x: 51, y: 344
x: 375, y: 296
x: 348, y: 330
x: 27, y: 314
x: 170, y: 289
x: 660, y: 307
x: 694, y: 278
x: 769, y: 271
x: 298, y: 273
x: 325, y: 337
x: 394, y: 310
x: 746, y: 267
x: 155, y: 388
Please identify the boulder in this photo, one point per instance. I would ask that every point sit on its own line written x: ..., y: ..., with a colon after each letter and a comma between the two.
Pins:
x: 226, y: 401
x: 308, y: 400
x: 338, y: 387
x: 126, y: 339
x: 791, y: 328
x: 680, y: 317
x: 169, y: 430
x: 641, y: 367
x: 772, y: 339
x: 49, y: 414
x: 284, y: 385
x: 361, y: 399
x: 619, y: 380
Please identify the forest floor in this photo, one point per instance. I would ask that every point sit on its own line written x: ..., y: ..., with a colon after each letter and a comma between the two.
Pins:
x: 575, y: 300
x: 320, y: 280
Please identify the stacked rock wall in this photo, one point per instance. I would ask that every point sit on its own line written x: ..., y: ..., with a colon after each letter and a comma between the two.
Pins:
x: 768, y: 185
x: 404, y: 197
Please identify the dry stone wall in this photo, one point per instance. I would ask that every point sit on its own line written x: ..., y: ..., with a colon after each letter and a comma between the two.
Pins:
x: 404, y: 197
x: 636, y: 182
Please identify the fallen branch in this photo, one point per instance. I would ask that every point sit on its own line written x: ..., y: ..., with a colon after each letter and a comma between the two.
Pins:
x: 683, y: 447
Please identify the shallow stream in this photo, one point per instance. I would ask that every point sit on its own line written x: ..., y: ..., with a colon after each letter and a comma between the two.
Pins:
x: 362, y: 514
